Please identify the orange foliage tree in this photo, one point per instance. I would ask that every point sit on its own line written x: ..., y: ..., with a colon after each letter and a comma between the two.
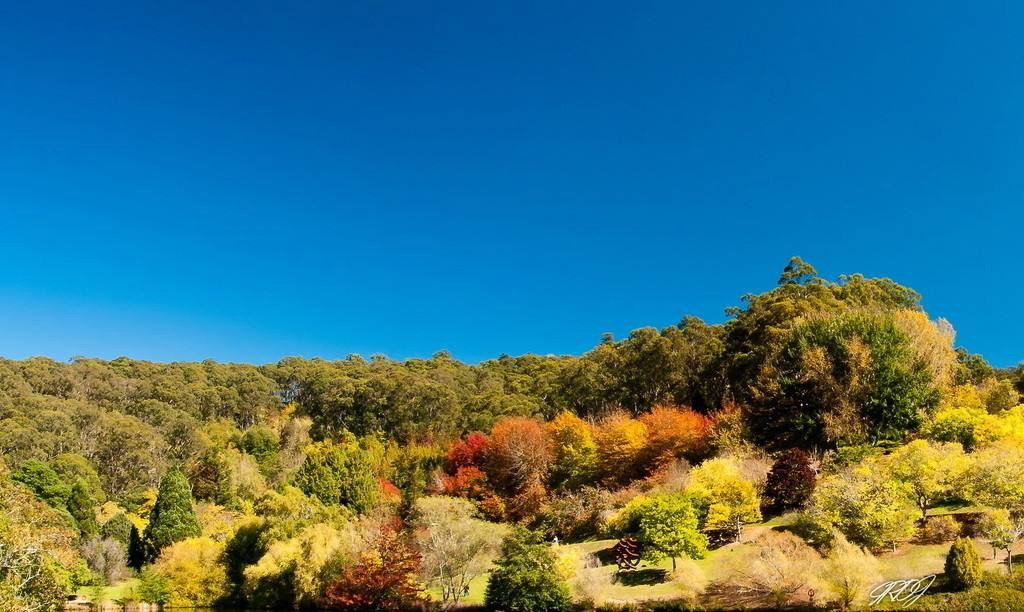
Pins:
x: 674, y: 432
x: 518, y: 458
x: 384, y: 578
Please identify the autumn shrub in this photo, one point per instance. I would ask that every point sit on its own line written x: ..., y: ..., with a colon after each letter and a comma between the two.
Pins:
x: 194, y: 576
x: 467, y: 481
x: 777, y: 567
x: 850, y: 572
x: 938, y: 530
x: 492, y: 508
x: 574, y: 451
x: 575, y: 515
x: 518, y: 454
x: 527, y: 502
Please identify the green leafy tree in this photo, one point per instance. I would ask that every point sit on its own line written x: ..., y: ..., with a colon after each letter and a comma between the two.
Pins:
x: 852, y: 376
x: 154, y: 586
x: 930, y: 470
x: 963, y: 565
x: 71, y: 466
x: 263, y: 444
x: 668, y: 528
x: 118, y: 528
x: 82, y: 508
x: 172, y: 519
x: 865, y: 504
x: 525, y: 577
x: 339, y: 474
x: 42, y: 480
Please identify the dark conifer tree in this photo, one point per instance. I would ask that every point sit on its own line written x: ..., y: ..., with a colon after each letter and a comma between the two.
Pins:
x: 172, y: 518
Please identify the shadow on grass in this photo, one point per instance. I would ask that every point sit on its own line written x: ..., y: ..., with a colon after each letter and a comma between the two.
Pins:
x: 606, y: 556
x: 644, y: 577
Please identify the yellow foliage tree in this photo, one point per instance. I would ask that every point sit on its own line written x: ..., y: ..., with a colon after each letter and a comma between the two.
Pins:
x: 193, y: 573
x: 731, y: 500
x: 574, y: 449
x: 620, y: 443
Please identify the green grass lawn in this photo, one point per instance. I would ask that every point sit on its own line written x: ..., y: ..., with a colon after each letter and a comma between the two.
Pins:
x: 475, y: 597
x: 953, y: 509
x: 110, y: 593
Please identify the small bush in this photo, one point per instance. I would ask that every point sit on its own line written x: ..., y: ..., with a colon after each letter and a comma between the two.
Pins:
x: 938, y: 530
x: 963, y: 565
x: 573, y: 516
x: 526, y: 577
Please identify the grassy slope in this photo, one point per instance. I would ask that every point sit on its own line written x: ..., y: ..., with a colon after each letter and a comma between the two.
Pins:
x: 909, y: 561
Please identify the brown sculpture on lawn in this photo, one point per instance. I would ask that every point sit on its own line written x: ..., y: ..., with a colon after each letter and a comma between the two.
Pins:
x: 627, y: 554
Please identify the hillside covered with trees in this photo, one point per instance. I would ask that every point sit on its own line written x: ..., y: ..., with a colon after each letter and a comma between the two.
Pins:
x: 837, y: 409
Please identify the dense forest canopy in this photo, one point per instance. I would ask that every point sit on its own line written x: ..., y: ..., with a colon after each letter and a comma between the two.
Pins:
x: 274, y: 453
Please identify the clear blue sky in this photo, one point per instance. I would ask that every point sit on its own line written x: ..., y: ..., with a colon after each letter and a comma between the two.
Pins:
x: 245, y: 181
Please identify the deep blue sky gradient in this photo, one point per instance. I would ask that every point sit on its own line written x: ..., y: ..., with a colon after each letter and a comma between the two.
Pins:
x: 245, y: 181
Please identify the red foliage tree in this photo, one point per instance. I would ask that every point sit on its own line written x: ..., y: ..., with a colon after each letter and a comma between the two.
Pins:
x: 468, y: 482
x: 384, y: 578
x: 467, y: 452
x: 790, y: 481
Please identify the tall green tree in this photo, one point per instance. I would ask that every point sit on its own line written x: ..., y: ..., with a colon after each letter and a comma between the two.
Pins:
x: 852, y: 376
x: 83, y: 508
x: 172, y: 519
